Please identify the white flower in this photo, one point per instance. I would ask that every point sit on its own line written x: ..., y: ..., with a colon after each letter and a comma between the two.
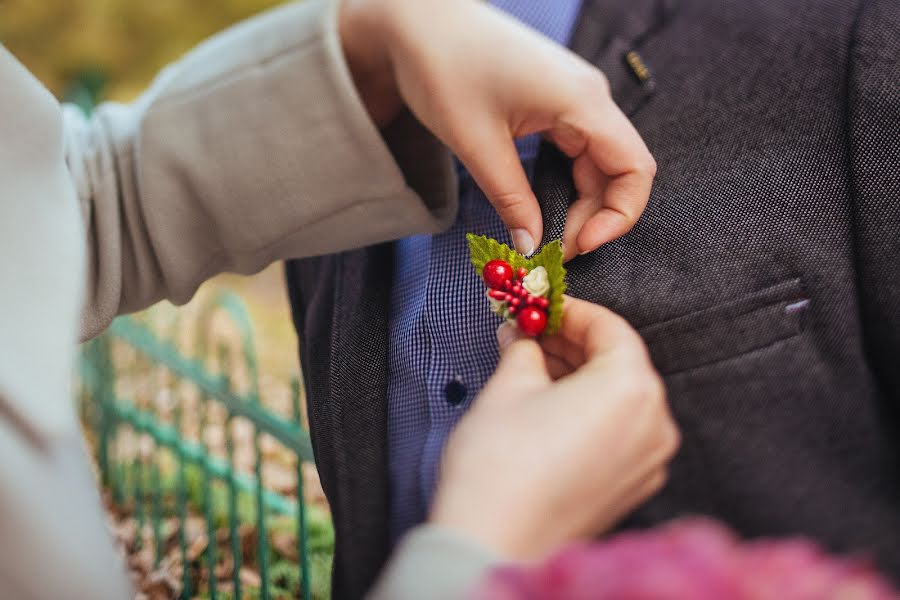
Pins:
x: 498, y: 307
x: 537, y: 282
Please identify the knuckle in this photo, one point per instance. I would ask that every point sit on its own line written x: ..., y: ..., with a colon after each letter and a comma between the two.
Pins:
x: 645, y: 165
x: 657, y: 387
x: 591, y: 89
x: 627, y: 217
x: 651, y: 388
x: 671, y: 441
x: 636, y: 387
x: 649, y: 165
x: 654, y: 483
x: 660, y: 480
x: 505, y: 202
x: 594, y: 82
x: 666, y: 436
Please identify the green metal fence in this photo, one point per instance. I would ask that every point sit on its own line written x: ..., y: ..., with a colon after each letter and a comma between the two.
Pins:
x: 165, y: 431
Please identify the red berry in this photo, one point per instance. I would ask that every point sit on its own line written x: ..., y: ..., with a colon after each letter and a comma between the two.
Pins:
x: 542, y: 303
x: 523, y: 293
x: 516, y: 290
x: 507, y: 285
x: 512, y: 310
x: 499, y: 295
x: 530, y: 300
x: 515, y: 302
x: 522, y: 272
x: 496, y: 272
x: 532, y: 321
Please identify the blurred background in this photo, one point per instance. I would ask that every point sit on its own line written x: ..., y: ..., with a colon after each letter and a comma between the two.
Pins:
x: 180, y: 467
x: 93, y: 50
x: 123, y: 42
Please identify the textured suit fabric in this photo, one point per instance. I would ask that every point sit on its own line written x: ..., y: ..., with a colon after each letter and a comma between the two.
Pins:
x: 764, y: 274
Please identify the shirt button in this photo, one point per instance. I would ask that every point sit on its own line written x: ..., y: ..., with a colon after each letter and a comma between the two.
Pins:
x: 455, y: 391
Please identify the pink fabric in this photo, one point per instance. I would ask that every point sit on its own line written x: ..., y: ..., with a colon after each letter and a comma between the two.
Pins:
x: 689, y: 560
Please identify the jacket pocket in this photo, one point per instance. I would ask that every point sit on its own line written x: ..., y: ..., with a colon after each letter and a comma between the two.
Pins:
x: 728, y: 330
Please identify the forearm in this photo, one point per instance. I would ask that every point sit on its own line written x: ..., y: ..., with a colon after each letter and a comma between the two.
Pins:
x: 253, y: 148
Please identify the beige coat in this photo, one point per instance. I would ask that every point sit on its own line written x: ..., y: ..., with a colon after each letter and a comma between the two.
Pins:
x: 253, y: 148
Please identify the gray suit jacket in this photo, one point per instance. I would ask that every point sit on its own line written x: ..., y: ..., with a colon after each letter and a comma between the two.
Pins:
x: 764, y: 276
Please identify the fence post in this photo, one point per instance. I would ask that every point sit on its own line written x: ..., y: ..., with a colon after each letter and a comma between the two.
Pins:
x: 301, y: 503
x: 146, y: 477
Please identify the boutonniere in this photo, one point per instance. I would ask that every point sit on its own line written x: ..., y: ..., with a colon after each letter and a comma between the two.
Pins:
x: 525, y: 291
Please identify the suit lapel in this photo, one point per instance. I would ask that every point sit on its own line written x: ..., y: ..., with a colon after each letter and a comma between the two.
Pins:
x: 611, y: 34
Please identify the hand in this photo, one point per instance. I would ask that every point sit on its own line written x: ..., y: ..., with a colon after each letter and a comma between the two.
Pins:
x: 478, y: 79
x: 536, y: 462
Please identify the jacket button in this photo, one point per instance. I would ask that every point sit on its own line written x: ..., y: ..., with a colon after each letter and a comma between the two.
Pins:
x: 455, y: 391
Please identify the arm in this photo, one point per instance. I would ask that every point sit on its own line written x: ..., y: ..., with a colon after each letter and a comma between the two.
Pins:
x: 502, y: 497
x: 254, y: 147
x: 874, y: 123
x: 257, y: 146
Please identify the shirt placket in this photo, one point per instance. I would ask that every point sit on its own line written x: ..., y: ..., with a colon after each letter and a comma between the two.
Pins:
x: 460, y: 326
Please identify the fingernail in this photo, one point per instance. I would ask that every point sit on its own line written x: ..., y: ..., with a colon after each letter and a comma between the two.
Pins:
x: 522, y: 242
x: 507, y: 333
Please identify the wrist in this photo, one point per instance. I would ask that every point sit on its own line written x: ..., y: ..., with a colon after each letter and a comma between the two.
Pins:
x: 499, y: 536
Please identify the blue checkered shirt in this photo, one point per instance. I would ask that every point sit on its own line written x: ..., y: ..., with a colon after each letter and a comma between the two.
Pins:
x: 442, y: 335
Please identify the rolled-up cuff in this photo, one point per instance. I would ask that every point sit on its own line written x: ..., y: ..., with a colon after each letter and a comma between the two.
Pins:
x: 255, y: 147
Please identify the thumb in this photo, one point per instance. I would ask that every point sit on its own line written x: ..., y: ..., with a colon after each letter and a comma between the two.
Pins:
x: 508, y: 333
x: 521, y: 371
x: 494, y: 164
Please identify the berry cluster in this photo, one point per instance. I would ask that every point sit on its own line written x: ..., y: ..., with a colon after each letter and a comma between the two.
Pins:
x: 512, y: 298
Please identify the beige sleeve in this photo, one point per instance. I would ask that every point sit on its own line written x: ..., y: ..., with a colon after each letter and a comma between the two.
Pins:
x: 434, y: 563
x: 254, y: 147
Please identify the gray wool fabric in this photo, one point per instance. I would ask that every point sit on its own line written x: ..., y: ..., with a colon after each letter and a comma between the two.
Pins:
x: 764, y: 276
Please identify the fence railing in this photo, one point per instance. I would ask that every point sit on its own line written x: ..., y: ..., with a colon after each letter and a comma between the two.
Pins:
x: 184, y: 444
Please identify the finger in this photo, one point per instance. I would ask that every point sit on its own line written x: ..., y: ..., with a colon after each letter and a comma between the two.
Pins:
x: 508, y: 333
x: 560, y: 348
x: 618, y: 152
x: 636, y: 494
x: 652, y: 485
x: 594, y: 329
x: 521, y: 371
x: 590, y: 184
x: 557, y: 367
x: 494, y: 163
x: 594, y: 340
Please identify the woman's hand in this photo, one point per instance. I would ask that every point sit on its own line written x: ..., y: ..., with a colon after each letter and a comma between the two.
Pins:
x: 536, y: 462
x: 478, y: 79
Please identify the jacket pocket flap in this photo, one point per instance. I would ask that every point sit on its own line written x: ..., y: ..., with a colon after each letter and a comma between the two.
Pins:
x: 729, y: 329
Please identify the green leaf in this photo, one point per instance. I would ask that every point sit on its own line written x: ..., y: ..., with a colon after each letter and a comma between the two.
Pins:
x: 551, y: 258
x: 484, y: 249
